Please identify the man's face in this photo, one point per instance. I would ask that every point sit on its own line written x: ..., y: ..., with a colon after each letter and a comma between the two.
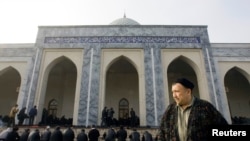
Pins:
x: 181, y: 94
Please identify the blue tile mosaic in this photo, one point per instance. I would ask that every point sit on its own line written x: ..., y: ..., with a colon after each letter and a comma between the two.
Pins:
x: 122, y: 39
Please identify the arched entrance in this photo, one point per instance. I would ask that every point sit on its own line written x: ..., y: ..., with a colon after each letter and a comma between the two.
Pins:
x: 237, y: 88
x: 60, y: 90
x: 122, y: 87
x: 10, y: 81
x: 181, y: 68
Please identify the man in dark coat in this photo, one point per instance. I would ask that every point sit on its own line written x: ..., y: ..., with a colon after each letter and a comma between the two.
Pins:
x: 147, y: 136
x: 13, y: 135
x: 110, y: 135
x: 32, y: 114
x: 121, y: 134
x: 188, y: 118
x: 110, y: 115
x: 94, y: 134
x: 132, y: 118
x: 82, y: 136
x: 45, y: 136
x: 24, y: 136
x: 22, y: 116
x: 34, y: 135
x: 135, y: 135
x: 68, y: 134
x: 104, y: 117
x: 56, y: 135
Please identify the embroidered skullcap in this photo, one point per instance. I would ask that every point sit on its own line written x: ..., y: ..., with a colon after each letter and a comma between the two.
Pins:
x: 185, y: 82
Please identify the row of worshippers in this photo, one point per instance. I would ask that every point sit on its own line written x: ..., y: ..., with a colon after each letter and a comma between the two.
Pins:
x: 108, y: 120
x: 122, y: 135
x: 12, y: 134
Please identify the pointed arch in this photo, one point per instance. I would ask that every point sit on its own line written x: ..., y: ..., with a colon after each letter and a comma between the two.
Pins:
x: 188, y: 61
x: 237, y: 88
x: 58, y: 60
x: 9, y: 68
x: 121, y: 58
x: 60, y: 84
x: 243, y: 72
x: 122, y: 82
x: 10, y: 81
x: 133, y: 82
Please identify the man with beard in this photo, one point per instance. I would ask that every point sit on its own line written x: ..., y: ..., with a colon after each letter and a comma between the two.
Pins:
x: 188, y: 118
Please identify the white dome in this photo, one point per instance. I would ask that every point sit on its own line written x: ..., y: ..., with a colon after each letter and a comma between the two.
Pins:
x: 124, y: 21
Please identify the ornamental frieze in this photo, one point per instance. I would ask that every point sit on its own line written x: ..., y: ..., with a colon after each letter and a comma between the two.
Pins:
x: 121, y: 39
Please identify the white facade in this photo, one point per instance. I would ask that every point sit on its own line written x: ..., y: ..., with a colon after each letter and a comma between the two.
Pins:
x: 74, y: 71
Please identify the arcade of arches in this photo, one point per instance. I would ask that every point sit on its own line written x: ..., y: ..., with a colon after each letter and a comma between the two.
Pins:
x: 121, y: 86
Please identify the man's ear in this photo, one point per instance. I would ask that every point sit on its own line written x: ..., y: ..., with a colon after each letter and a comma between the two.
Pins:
x: 189, y: 91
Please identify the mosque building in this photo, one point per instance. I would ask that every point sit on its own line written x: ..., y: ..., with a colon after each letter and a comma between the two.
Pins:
x: 75, y: 71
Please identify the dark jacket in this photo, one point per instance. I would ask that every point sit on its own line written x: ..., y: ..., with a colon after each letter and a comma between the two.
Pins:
x: 147, y: 136
x: 110, y: 135
x: 46, y: 135
x: 33, y: 112
x: 13, y: 136
x: 121, y: 135
x: 34, y: 136
x: 24, y: 136
x: 68, y: 135
x: 202, y: 115
x: 22, y: 115
x: 82, y: 136
x: 134, y: 136
x: 56, y: 135
x: 93, y: 134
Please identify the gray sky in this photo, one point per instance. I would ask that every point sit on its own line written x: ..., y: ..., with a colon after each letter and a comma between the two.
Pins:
x: 228, y: 21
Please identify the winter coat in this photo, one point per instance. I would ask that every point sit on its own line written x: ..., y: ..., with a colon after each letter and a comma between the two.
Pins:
x: 46, y: 135
x: 110, y: 136
x: 82, y: 136
x: 24, y: 136
x: 147, y: 136
x: 202, y: 115
x: 121, y: 135
x: 56, y: 135
x: 68, y: 135
x: 12, y: 136
x: 34, y: 136
x: 134, y: 136
x: 93, y: 134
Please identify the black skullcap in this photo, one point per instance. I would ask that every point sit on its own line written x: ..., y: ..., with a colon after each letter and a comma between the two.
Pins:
x: 185, y: 82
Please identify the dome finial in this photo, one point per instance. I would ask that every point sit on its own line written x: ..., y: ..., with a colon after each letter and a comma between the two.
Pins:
x: 124, y: 21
